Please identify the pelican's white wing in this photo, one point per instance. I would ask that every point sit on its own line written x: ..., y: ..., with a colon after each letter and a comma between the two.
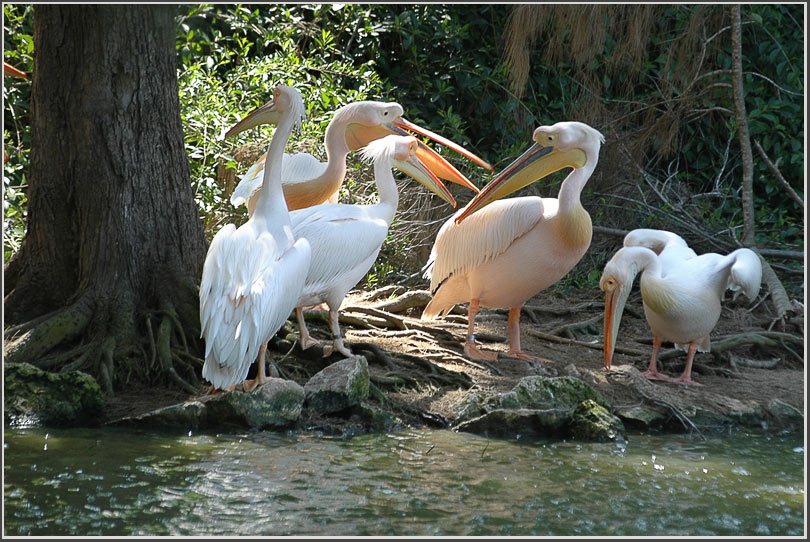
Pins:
x: 249, y: 286
x: 345, y: 241
x: 295, y: 168
x: 480, y: 237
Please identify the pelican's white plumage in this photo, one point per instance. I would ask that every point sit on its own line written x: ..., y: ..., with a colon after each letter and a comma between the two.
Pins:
x: 308, y: 181
x: 346, y: 239
x: 681, y: 291
x: 499, y: 253
x: 253, y: 274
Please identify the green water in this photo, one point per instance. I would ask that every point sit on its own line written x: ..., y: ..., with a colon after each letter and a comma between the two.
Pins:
x: 415, y: 482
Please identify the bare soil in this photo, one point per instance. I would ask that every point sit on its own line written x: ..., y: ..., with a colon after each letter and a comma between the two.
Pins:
x: 416, y: 387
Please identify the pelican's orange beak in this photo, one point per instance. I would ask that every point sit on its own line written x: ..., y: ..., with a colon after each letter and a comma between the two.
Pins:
x: 615, y: 298
x: 414, y: 167
x: 534, y: 164
x: 11, y: 71
x: 358, y: 136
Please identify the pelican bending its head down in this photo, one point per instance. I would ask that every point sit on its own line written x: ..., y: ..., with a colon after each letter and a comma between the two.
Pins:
x: 307, y: 181
x: 681, y: 291
x: 253, y: 274
x: 501, y: 253
x: 346, y: 239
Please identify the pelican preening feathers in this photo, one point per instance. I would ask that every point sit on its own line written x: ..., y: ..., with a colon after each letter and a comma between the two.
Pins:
x: 501, y: 253
x: 681, y: 291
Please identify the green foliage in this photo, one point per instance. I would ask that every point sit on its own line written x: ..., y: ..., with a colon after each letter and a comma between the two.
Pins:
x: 445, y: 64
x: 18, y: 48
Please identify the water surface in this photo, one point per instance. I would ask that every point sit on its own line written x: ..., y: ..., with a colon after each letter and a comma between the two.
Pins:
x: 415, y: 482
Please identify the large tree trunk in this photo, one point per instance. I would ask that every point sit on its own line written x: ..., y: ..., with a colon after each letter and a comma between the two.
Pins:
x: 114, y: 241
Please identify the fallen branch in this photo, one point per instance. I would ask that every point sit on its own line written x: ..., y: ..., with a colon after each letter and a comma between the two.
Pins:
x: 408, y: 300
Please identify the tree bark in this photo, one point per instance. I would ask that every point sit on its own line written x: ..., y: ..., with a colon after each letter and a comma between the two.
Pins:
x: 113, y: 230
x: 742, y: 126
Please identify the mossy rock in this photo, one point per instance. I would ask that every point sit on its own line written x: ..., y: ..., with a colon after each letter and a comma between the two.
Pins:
x: 591, y: 421
x: 541, y: 392
x: 276, y: 404
x: 32, y: 396
x: 339, y: 386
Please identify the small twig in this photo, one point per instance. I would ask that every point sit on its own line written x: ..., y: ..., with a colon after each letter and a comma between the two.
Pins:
x: 778, y: 174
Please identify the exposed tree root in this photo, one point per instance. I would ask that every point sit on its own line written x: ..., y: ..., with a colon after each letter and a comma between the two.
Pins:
x: 399, y: 375
x: 60, y: 327
x: 406, y: 301
x: 569, y: 331
x: 169, y: 327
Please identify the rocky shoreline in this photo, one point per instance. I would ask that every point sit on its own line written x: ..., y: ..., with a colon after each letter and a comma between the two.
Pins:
x: 342, y: 399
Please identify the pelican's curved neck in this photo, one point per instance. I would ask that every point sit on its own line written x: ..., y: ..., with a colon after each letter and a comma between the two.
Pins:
x: 271, y: 212
x: 336, y: 150
x: 573, y: 184
x: 386, y: 188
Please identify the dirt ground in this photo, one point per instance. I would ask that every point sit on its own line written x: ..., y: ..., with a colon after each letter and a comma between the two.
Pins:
x: 397, y: 350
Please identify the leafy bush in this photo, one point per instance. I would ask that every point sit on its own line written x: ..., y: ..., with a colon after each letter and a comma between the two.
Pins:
x: 445, y: 63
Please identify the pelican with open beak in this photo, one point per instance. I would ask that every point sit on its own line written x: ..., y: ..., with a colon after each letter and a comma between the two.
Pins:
x: 346, y: 239
x: 308, y: 181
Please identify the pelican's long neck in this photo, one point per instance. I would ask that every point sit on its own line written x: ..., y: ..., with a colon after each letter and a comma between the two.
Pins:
x: 573, y: 184
x: 271, y: 213
x: 575, y: 223
x: 657, y: 293
x: 336, y: 152
x: 317, y: 190
x: 386, y: 188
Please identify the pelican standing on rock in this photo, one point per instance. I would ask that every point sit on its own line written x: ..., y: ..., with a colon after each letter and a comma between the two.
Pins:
x: 253, y: 274
x: 501, y: 253
x: 346, y: 239
x: 681, y: 292
x: 308, y: 181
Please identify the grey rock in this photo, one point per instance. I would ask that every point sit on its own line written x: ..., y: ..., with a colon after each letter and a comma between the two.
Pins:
x: 276, y: 404
x: 641, y: 416
x: 521, y: 421
x: 339, y: 386
x: 784, y: 413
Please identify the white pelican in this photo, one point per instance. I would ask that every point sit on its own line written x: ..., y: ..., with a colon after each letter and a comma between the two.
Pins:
x: 253, y: 275
x: 510, y: 250
x: 681, y: 292
x: 346, y: 239
x: 307, y: 181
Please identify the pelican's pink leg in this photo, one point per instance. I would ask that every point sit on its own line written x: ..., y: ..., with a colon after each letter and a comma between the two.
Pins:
x: 514, y: 337
x: 261, y: 378
x: 470, y: 349
x: 337, y: 338
x: 652, y: 371
x: 686, y: 376
x: 305, y: 338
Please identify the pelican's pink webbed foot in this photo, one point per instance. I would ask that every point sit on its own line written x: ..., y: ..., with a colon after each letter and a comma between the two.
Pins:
x: 522, y: 355
x: 474, y: 353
